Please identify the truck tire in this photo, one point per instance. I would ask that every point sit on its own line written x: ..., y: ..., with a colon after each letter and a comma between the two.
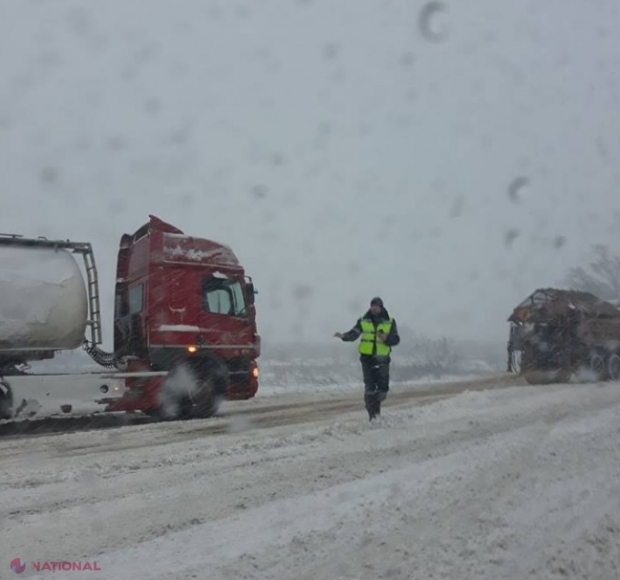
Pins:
x: 598, y: 367
x: 193, y: 390
x: 613, y: 367
x: 515, y: 361
x: 6, y: 401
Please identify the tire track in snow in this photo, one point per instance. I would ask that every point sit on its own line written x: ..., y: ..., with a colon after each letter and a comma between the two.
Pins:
x: 242, y: 471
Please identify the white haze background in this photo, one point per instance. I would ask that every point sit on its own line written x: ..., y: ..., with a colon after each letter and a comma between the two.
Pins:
x: 338, y: 151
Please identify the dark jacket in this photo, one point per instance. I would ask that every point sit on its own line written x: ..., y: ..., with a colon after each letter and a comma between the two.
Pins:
x: 392, y: 338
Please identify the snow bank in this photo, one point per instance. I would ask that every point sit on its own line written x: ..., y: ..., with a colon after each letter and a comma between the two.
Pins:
x: 329, y: 374
x: 512, y: 484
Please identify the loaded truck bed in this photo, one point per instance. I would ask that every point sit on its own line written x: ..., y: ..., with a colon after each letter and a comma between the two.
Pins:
x: 557, y: 335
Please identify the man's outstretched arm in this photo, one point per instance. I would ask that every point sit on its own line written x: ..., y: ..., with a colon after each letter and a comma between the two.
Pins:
x: 352, y: 334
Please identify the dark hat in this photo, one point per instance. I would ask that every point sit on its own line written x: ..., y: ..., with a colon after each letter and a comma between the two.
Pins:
x: 376, y: 301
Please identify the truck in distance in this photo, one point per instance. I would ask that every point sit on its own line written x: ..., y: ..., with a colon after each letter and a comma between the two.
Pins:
x: 556, y: 334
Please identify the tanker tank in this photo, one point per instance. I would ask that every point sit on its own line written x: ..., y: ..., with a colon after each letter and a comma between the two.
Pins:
x: 43, y: 301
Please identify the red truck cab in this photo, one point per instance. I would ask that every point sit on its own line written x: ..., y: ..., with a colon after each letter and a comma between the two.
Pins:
x: 183, y: 301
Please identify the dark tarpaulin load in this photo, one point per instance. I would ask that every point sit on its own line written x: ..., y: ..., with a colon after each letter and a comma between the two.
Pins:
x: 552, y: 302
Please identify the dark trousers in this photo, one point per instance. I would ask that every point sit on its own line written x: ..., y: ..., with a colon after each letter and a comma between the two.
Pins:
x: 376, y: 384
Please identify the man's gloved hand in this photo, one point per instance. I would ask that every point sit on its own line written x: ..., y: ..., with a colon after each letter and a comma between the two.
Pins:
x: 381, y: 336
x: 338, y: 335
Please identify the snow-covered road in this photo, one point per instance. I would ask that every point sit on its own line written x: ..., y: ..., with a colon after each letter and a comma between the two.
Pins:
x: 503, y: 483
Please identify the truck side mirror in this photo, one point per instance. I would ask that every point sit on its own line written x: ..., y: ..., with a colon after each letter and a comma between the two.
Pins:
x: 251, y: 292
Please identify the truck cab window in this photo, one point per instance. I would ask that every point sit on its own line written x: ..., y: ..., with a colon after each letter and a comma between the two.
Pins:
x: 121, y: 308
x: 135, y: 299
x: 223, y: 296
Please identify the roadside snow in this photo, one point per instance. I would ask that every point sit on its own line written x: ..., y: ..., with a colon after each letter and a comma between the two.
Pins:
x: 268, y: 390
x: 515, y: 483
x: 82, y: 391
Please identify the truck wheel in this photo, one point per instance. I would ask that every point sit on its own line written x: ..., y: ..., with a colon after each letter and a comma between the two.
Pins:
x: 192, y: 390
x: 613, y: 367
x: 598, y: 367
x: 515, y: 361
x: 6, y: 400
x: 212, y: 377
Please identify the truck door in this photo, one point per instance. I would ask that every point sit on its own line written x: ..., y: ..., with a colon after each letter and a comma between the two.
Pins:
x: 224, y: 311
x: 121, y: 309
x: 129, y: 337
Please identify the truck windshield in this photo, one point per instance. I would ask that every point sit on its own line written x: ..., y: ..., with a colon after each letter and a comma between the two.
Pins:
x: 223, y: 296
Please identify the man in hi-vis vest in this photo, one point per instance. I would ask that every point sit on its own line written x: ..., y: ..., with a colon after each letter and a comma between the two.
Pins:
x: 379, y: 334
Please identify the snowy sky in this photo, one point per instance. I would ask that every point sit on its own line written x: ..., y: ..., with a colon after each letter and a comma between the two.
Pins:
x: 339, y: 151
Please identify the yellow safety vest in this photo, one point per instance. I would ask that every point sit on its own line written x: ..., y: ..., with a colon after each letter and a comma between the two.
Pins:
x: 369, y: 340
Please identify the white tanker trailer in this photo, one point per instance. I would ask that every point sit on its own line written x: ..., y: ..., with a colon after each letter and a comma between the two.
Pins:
x: 43, y: 302
x: 45, y: 305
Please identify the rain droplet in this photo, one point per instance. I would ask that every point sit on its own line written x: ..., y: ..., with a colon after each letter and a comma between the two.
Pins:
x: 407, y: 59
x: 515, y: 187
x: 331, y: 51
x: 559, y: 242
x: 79, y: 21
x: 511, y: 236
x: 146, y: 53
x: 302, y: 291
x: 259, y: 191
x: 324, y: 128
x: 428, y: 13
x: 457, y: 207
x: 277, y: 159
x: 179, y: 136
x: 602, y: 148
x: 49, y: 175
